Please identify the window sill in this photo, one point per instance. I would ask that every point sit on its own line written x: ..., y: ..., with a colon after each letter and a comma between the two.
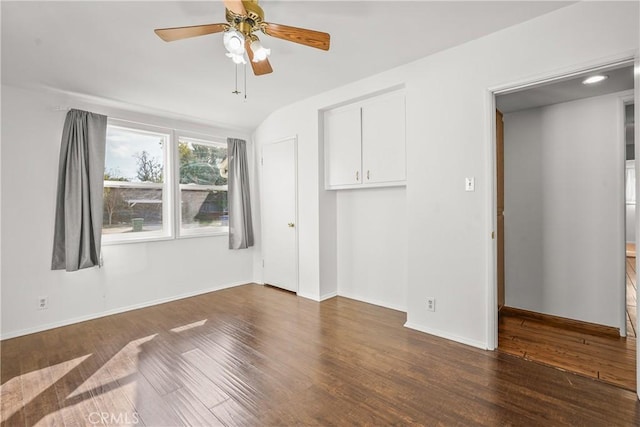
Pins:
x: 163, y: 238
x: 136, y: 240
x: 189, y: 235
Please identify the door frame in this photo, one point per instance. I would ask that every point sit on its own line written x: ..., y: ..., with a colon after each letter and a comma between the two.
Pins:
x: 622, y: 102
x: 293, y: 138
x: 491, y: 171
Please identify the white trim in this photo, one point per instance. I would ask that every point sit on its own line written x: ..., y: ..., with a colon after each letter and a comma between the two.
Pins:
x: 625, y: 58
x: 446, y: 335
x: 186, y: 233
x: 201, y: 187
x: 167, y: 186
x: 636, y: 120
x: 309, y: 296
x: 328, y: 296
x: 373, y: 301
x: 491, y: 337
x: 365, y: 186
x: 79, y: 319
x: 144, y: 239
x: 491, y: 295
x: 622, y: 196
x: 200, y: 139
x: 129, y: 184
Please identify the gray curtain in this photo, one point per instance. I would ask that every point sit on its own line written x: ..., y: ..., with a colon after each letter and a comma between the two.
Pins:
x: 240, y: 226
x: 78, y: 226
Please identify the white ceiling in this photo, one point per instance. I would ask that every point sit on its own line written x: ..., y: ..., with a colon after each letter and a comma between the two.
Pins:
x: 108, y: 49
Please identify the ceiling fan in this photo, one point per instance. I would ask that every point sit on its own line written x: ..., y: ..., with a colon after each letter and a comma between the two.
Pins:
x: 244, y: 19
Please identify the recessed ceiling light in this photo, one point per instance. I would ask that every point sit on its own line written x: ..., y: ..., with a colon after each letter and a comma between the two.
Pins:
x: 594, y: 79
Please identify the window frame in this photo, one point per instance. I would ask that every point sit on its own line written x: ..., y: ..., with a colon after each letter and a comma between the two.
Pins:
x: 171, y: 187
x: 201, y: 139
x: 168, y: 201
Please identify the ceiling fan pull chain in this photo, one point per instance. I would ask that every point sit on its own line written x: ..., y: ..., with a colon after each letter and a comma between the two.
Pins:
x: 236, y: 91
x: 245, y: 82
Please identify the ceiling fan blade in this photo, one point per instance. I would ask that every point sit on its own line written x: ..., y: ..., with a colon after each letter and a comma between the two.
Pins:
x: 178, y: 33
x: 236, y: 7
x: 261, y: 67
x: 303, y: 36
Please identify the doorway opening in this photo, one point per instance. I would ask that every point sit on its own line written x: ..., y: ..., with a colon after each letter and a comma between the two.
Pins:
x: 630, y: 220
x: 561, y: 270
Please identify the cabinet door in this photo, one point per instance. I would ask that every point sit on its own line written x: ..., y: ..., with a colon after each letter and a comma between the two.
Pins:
x: 343, y: 146
x: 383, y: 139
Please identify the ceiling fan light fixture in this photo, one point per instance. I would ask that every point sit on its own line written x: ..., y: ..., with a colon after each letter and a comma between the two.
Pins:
x: 237, y: 59
x: 260, y: 53
x: 234, y: 42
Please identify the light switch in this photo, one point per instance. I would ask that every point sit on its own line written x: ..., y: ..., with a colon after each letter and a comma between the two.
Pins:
x: 470, y: 184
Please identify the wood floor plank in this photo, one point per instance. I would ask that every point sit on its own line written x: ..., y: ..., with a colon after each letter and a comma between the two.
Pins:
x: 597, y: 355
x: 253, y: 355
x: 190, y: 410
x: 632, y: 297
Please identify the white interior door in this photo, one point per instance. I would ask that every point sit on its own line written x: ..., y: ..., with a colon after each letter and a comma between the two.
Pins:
x: 279, y: 215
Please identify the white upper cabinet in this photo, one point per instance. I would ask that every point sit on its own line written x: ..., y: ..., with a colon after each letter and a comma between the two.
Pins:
x: 343, y: 155
x: 365, y: 143
x: 383, y: 139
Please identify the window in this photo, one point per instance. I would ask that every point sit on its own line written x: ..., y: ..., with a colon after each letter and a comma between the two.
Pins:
x: 203, y: 186
x: 141, y: 184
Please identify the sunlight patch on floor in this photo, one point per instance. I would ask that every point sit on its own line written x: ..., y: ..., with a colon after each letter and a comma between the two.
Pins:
x: 189, y: 326
x: 18, y: 391
x: 114, y: 372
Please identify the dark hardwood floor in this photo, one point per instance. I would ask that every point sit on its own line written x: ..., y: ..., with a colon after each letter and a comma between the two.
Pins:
x: 632, y: 296
x: 603, y: 355
x: 590, y: 350
x: 253, y: 355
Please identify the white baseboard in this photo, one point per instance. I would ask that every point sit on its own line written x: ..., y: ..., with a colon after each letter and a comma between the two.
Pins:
x: 79, y: 319
x: 446, y: 335
x: 328, y: 296
x: 373, y: 301
x: 308, y: 296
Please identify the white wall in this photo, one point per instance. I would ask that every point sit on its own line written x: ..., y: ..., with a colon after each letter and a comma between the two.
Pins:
x: 524, y: 257
x: 448, y: 139
x: 372, y: 246
x: 133, y: 274
x: 564, y: 209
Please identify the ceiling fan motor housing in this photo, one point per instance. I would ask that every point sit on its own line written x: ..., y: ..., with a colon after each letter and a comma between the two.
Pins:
x: 250, y: 22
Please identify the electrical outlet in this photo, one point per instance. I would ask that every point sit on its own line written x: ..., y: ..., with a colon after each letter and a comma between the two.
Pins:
x: 431, y: 304
x: 43, y: 303
x: 470, y: 184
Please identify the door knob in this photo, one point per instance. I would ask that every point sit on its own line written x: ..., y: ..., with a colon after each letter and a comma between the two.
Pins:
x: 291, y: 225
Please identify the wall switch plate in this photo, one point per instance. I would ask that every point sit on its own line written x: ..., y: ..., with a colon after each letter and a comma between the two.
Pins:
x: 469, y: 184
x: 43, y: 303
x: 431, y: 304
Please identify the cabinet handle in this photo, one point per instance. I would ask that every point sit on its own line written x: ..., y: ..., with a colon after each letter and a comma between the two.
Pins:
x: 367, y: 174
x: 357, y: 175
